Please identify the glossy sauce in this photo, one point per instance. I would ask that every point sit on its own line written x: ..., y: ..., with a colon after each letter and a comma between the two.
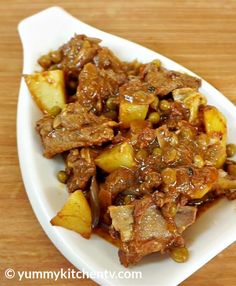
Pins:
x: 206, y: 206
x: 101, y: 232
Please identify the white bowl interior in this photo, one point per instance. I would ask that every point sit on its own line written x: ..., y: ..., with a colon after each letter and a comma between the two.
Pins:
x: 212, y: 232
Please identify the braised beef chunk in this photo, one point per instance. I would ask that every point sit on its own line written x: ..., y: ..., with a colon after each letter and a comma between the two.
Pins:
x: 173, y: 116
x: 136, y: 91
x: 150, y: 232
x: 151, y: 181
x: 165, y: 81
x: 96, y: 85
x: 120, y: 180
x: 105, y: 59
x: 144, y: 230
x: 74, y: 127
x: 80, y: 168
x: 146, y: 137
x: 140, y: 142
x: 77, y: 52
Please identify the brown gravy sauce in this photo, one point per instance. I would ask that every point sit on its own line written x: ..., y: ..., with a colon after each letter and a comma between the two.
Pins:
x: 103, y: 233
x: 206, y: 206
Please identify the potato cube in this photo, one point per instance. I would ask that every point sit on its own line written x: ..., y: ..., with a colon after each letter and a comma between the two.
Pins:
x: 215, y: 123
x: 201, y: 192
x: 216, y: 127
x: 121, y: 155
x: 75, y: 215
x: 132, y: 111
x: 47, y: 89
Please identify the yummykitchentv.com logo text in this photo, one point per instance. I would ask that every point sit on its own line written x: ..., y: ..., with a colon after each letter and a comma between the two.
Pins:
x: 10, y: 273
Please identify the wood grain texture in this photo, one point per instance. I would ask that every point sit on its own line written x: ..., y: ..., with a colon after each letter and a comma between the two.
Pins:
x: 200, y: 35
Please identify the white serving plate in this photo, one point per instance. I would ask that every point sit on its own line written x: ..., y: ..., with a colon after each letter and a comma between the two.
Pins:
x: 213, y: 231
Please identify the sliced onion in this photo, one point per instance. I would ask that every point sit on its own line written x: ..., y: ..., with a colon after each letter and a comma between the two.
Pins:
x: 94, y: 202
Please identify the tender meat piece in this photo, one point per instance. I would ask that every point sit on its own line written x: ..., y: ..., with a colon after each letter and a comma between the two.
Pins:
x: 165, y: 81
x: 74, y: 127
x: 230, y: 167
x: 118, y: 181
x: 162, y: 199
x: 174, y: 115
x: 119, y: 138
x: 151, y: 233
x: 80, y: 168
x: 122, y: 220
x: 146, y: 137
x: 76, y: 53
x: 96, y: 85
x: 185, y: 216
x: 105, y: 59
x: 136, y: 91
x: 152, y: 181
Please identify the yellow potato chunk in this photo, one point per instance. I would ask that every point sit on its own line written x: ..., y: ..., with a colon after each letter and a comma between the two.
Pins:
x: 191, y: 99
x: 47, y: 89
x: 132, y: 111
x: 121, y: 155
x: 216, y: 127
x: 75, y: 215
x: 215, y: 123
x: 199, y: 193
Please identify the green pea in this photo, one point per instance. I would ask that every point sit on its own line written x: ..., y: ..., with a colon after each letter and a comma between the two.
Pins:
x: 141, y: 155
x: 171, y: 155
x: 186, y: 133
x: 55, y: 110
x: 45, y: 61
x: 173, y: 210
x: 198, y: 161
x: 56, y: 56
x: 111, y: 103
x: 154, y: 117
x: 157, y: 151
x: 128, y: 199
x: 230, y: 150
x: 169, y: 176
x: 62, y: 177
x: 164, y: 105
x: 156, y: 63
x: 179, y: 254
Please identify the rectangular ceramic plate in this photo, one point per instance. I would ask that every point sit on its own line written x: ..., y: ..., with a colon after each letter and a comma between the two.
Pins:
x: 213, y: 231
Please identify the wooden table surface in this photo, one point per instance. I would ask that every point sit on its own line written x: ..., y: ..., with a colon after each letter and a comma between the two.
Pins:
x: 200, y: 35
